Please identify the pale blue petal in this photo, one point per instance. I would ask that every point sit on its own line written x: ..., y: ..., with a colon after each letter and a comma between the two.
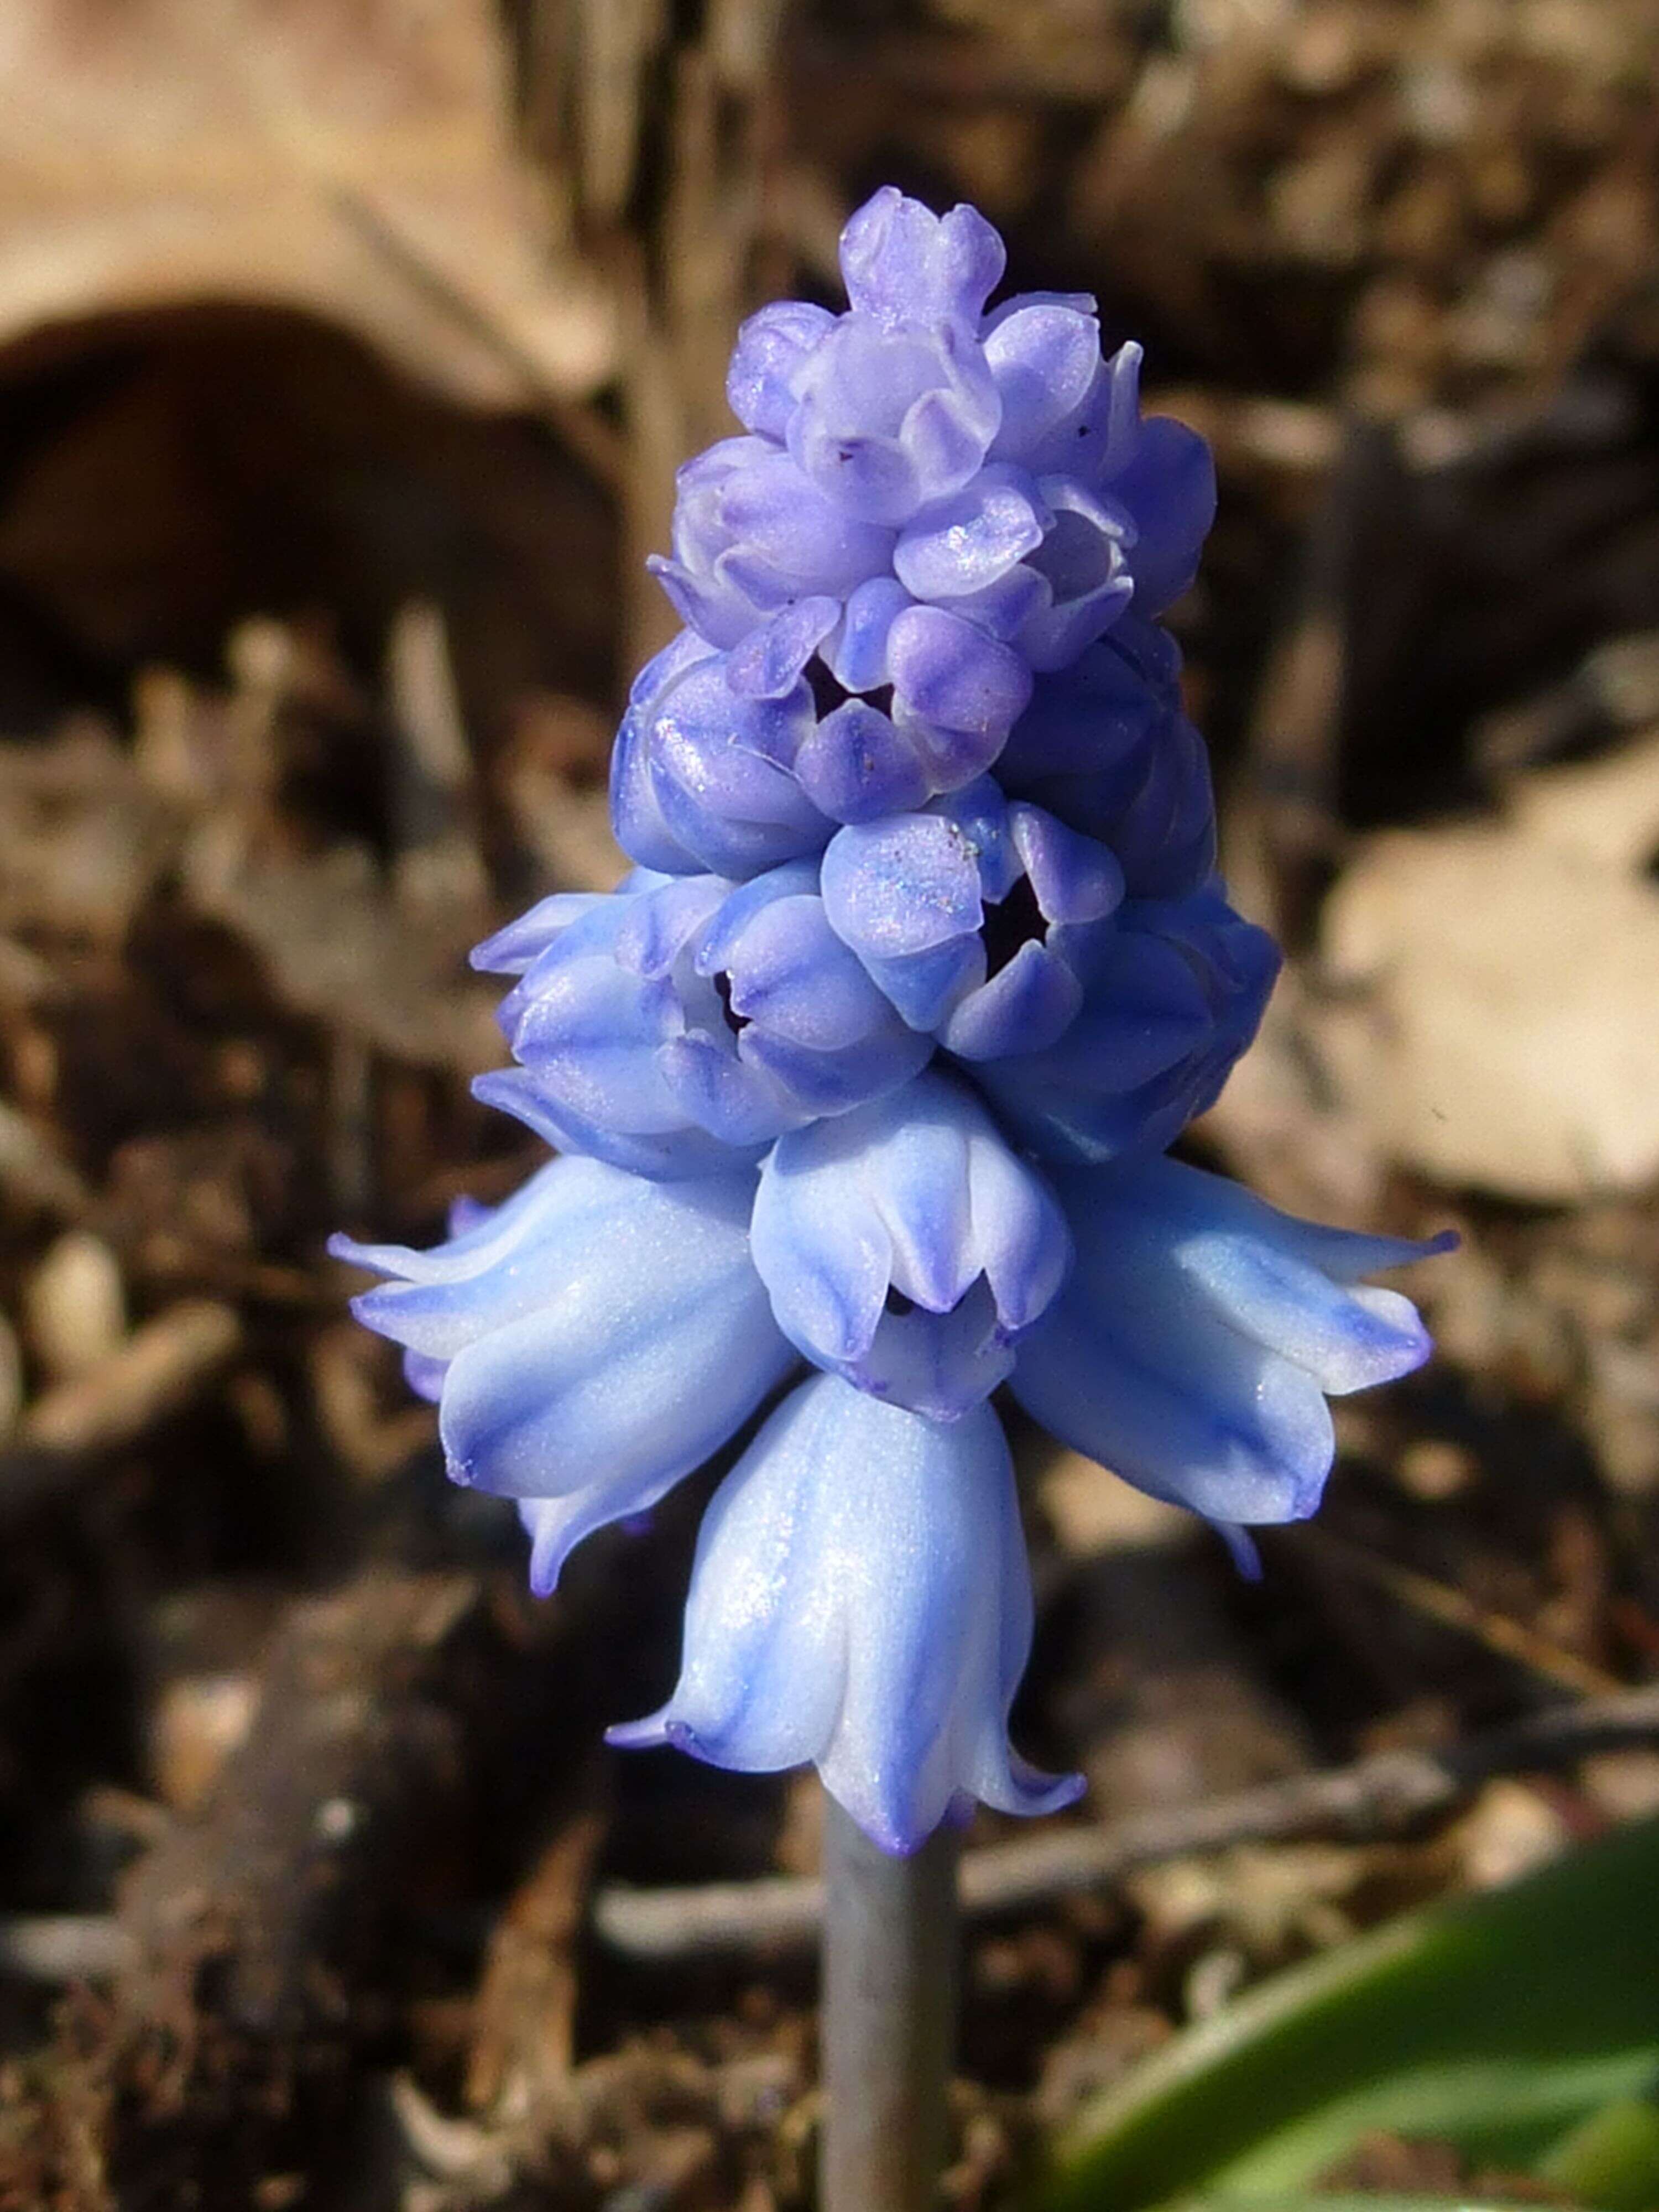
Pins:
x: 1291, y: 1285
x: 901, y: 262
x: 513, y: 949
x: 792, y: 975
x: 962, y: 544
x: 556, y: 1525
x: 654, y: 932
x: 860, y: 1600
x: 835, y: 1082
x: 940, y: 1365
x: 858, y: 765
x: 950, y: 757
x: 857, y: 654
x: 768, y: 662
x: 948, y: 672
x: 916, y: 1194
x: 1019, y: 1231
x: 903, y: 885
x: 1075, y: 878
x: 1194, y: 1347
x: 717, y: 946
x: 724, y: 1096
x: 771, y: 346
x: 1169, y: 1437
x: 1045, y: 357
x: 535, y: 1206
x: 1025, y: 1007
x: 651, y: 1343
x: 439, y: 1302
x: 635, y: 815
x: 666, y: 1156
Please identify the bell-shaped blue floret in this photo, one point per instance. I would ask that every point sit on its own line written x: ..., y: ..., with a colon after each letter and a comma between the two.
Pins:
x: 1201, y: 1331
x: 1043, y: 940
x: 925, y: 899
x: 860, y: 1598
x: 771, y: 346
x: 1083, y: 580
x: 606, y: 984
x: 799, y: 1016
x: 1038, y: 561
x: 906, y: 1248
x: 894, y: 405
x: 1172, y: 994
x: 1064, y: 409
x: 752, y: 534
x: 889, y: 418
x: 590, y: 1342
x: 1104, y: 745
x: 953, y: 693
x: 703, y: 776
x: 683, y: 1022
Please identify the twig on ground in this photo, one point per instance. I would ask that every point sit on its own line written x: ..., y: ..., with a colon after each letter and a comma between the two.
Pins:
x: 1376, y: 1796
x: 1441, y: 1601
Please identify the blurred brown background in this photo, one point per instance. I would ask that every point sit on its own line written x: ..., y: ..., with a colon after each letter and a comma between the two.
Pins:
x: 347, y: 351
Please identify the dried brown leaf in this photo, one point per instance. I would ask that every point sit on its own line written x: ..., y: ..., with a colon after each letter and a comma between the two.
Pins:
x: 356, y: 163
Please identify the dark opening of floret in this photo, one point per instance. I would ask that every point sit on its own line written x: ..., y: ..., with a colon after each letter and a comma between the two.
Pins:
x: 828, y: 692
x: 736, y: 1023
x: 1016, y: 920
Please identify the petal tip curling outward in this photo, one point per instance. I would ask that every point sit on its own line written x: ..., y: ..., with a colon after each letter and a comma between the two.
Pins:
x: 860, y: 1600
x: 650, y: 1734
x: 595, y: 1338
x: 906, y: 1247
x: 1201, y: 1333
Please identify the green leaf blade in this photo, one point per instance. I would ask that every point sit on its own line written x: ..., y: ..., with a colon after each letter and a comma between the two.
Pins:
x: 1492, y: 2022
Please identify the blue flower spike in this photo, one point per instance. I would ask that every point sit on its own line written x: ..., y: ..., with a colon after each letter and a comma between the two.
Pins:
x: 864, y: 1079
